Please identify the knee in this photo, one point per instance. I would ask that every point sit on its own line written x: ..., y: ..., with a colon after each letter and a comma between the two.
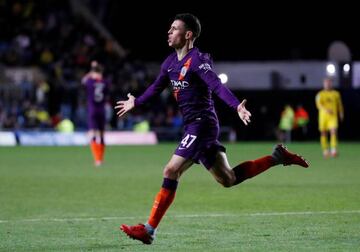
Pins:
x: 171, y: 171
x: 227, y: 182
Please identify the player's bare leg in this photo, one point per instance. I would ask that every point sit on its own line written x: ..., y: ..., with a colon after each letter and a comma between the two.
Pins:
x: 222, y: 171
x: 228, y: 177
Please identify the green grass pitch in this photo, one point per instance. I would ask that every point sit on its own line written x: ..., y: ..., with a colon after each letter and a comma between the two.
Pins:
x: 54, y: 199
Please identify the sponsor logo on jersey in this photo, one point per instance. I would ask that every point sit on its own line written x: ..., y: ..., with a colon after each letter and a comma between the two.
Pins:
x: 179, y: 84
x: 205, y: 66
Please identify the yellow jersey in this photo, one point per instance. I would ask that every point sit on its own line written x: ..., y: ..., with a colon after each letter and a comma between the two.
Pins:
x: 329, y: 104
x: 329, y: 100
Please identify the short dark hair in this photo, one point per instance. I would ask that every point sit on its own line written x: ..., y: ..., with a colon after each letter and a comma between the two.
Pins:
x: 191, y: 22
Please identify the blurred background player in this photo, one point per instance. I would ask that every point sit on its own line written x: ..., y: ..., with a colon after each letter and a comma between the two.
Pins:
x: 329, y: 105
x: 301, y: 122
x: 193, y: 83
x: 286, y: 124
x: 96, y: 91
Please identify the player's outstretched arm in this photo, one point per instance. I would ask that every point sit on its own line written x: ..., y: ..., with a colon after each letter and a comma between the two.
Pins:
x: 244, y: 114
x: 125, y: 106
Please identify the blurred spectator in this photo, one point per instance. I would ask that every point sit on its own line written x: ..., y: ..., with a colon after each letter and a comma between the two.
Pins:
x: 42, y: 90
x: 301, y: 122
x: 43, y: 118
x: 286, y: 124
x: 65, y: 126
x: 27, y: 89
x: 46, y: 57
x: 142, y: 126
x: 232, y: 135
x: 61, y: 44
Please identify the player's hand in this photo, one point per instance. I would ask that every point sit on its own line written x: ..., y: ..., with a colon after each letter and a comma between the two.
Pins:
x: 341, y: 116
x: 330, y: 111
x: 125, y: 106
x: 244, y: 114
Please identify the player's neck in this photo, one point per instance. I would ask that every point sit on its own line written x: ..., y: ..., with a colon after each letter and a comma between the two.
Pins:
x: 183, y: 51
x: 95, y: 75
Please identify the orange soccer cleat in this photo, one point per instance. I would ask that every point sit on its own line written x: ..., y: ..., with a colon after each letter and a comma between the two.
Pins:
x: 138, y: 232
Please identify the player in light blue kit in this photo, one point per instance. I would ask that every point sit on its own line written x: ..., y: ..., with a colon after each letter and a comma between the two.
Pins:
x: 193, y: 82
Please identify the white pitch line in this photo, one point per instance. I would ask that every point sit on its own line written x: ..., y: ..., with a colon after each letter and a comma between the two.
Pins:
x: 185, y: 216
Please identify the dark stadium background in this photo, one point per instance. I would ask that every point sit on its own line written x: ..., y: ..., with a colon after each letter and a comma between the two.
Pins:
x: 238, y: 32
x: 249, y: 32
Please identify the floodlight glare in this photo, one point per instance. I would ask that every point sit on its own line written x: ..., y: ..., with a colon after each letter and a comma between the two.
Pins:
x: 330, y: 69
x: 223, y: 78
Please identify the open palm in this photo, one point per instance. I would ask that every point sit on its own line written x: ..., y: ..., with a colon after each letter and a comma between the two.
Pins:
x: 125, y: 106
x: 243, y: 113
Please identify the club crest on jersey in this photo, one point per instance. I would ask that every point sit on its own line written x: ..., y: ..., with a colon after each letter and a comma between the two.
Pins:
x: 184, y: 69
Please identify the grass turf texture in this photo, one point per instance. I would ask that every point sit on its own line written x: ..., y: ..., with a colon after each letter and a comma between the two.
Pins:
x: 54, y: 199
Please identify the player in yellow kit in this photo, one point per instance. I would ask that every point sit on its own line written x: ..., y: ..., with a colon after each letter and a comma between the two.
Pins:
x: 329, y: 104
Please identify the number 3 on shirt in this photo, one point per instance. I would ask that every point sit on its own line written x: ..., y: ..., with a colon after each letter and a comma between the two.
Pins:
x: 187, y: 140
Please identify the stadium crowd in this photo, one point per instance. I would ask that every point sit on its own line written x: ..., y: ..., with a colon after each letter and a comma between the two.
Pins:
x: 48, y: 36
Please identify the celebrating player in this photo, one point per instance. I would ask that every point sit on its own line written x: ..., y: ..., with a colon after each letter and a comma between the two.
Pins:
x: 193, y: 82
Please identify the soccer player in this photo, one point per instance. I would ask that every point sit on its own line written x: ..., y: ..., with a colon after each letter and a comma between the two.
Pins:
x: 96, y: 90
x: 193, y: 82
x: 329, y: 105
x: 301, y: 122
x: 286, y: 124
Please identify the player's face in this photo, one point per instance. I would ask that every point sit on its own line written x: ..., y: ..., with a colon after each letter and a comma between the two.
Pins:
x: 327, y: 84
x: 177, y: 34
